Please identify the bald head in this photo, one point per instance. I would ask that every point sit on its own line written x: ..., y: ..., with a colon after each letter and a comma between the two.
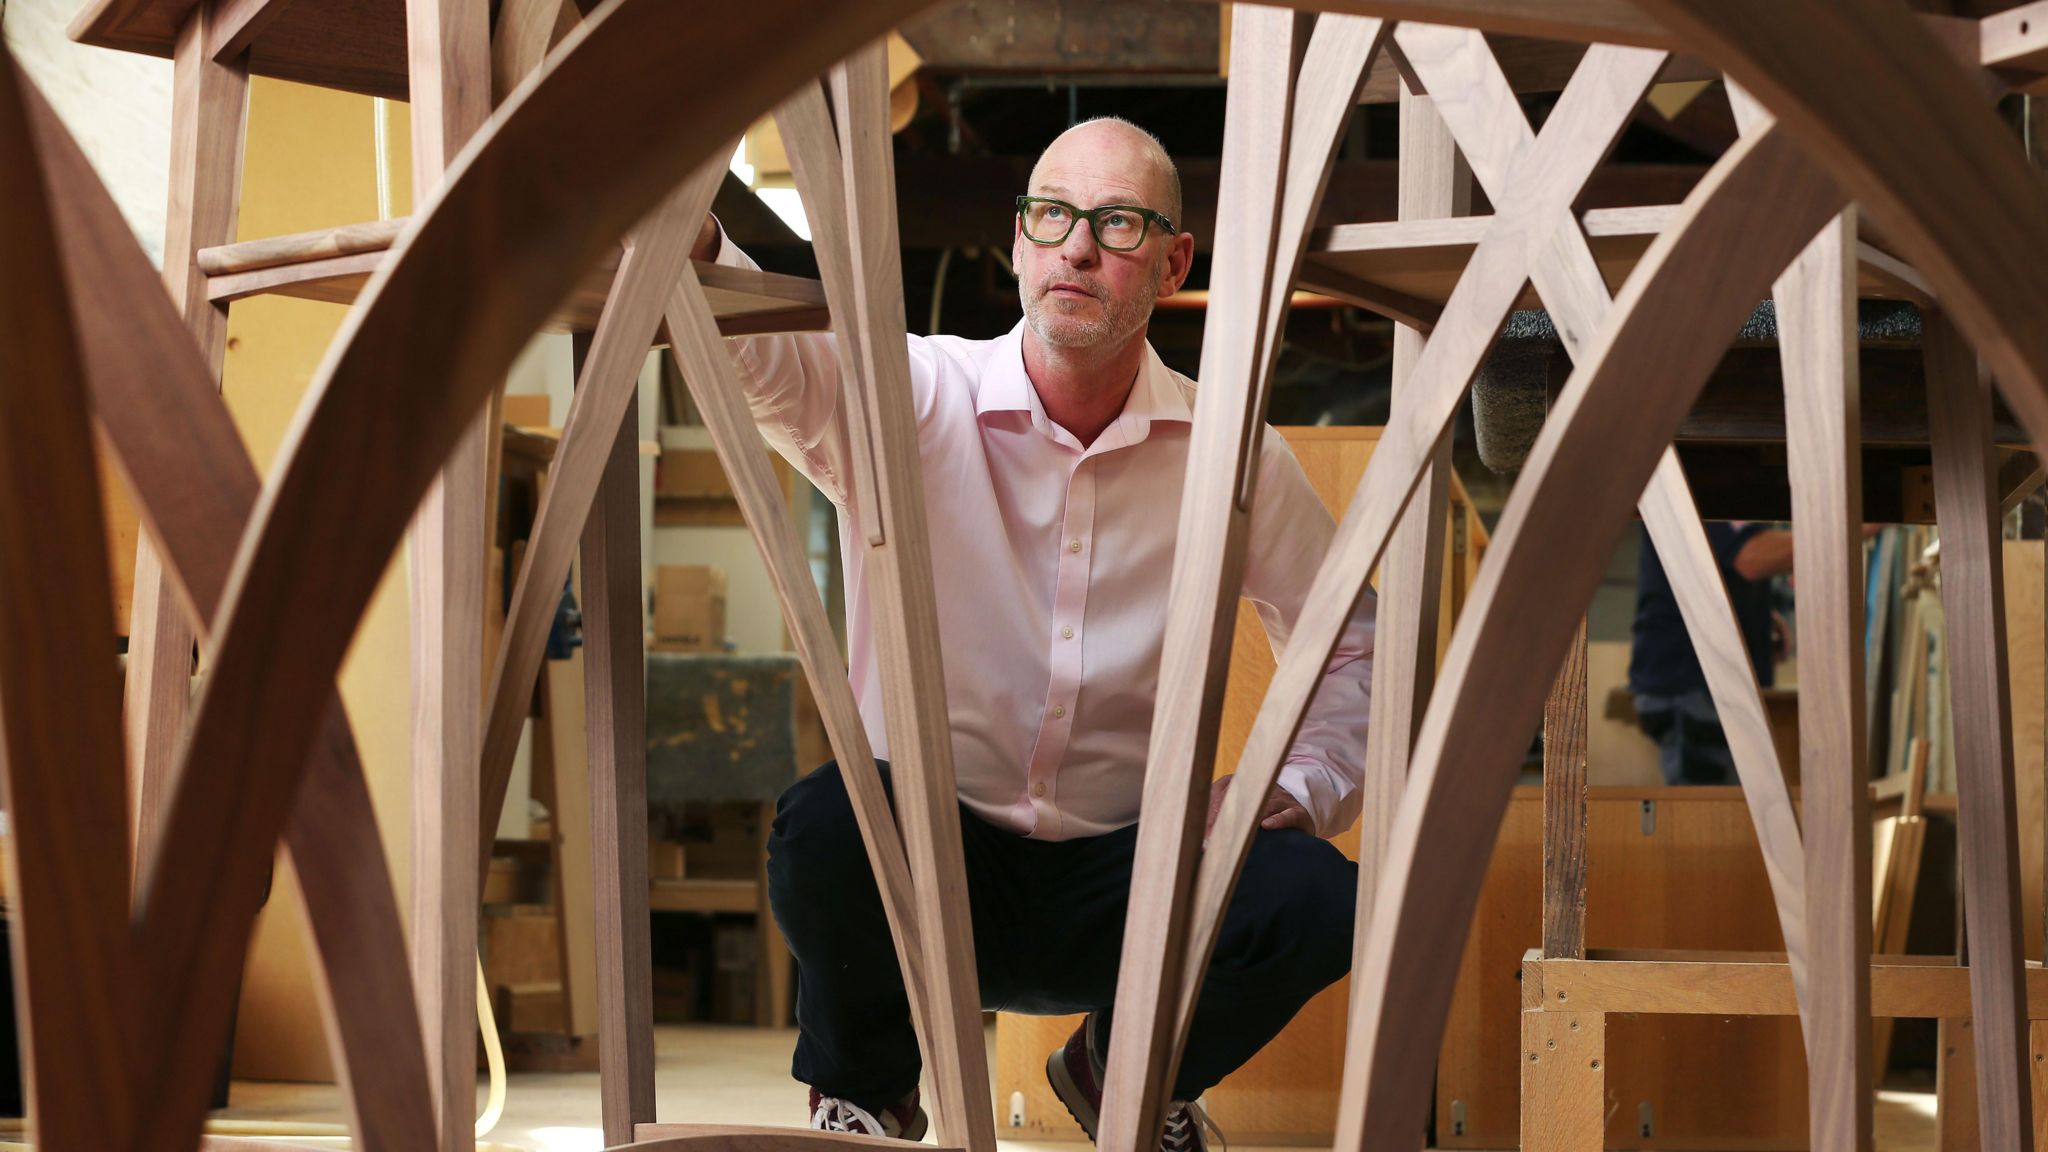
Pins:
x: 1112, y: 150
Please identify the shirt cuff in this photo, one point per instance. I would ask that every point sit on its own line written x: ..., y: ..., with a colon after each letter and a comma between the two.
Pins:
x: 1311, y: 785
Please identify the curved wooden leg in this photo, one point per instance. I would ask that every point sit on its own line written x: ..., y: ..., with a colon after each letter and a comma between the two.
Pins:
x: 898, y: 564
x: 196, y: 486
x: 471, y: 280
x: 1754, y: 210
x: 1431, y: 184
x: 1207, y: 571
x: 59, y: 712
x: 1592, y: 112
x: 1973, y: 604
x: 1488, y: 117
x: 605, y: 386
x: 1816, y: 299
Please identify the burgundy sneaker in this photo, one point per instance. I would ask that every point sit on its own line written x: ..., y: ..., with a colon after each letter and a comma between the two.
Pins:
x: 903, y: 1120
x: 1075, y: 1072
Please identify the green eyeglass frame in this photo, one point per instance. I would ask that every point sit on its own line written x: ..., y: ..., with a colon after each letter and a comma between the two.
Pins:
x: 1146, y: 218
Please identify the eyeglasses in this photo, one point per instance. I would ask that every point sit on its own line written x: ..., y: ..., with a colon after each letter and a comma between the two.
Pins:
x: 1120, y: 227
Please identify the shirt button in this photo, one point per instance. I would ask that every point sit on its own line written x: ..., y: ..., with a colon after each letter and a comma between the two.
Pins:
x: 1058, y: 711
x: 1067, y: 633
x: 1073, y: 545
x: 1038, y: 789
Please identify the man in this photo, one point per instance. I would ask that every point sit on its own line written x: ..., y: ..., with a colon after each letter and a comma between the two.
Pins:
x: 1673, y: 706
x: 1053, y: 462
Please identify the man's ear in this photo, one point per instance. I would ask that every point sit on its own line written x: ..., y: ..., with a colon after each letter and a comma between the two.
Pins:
x: 1180, y: 257
x: 1016, y: 244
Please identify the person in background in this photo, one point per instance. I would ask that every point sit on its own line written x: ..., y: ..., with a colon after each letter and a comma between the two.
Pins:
x: 1672, y: 704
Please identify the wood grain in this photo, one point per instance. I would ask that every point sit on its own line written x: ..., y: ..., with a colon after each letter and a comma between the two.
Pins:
x: 1564, y: 806
x: 497, y: 248
x: 59, y: 716
x: 1674, y: 982
x: 1563, y: 1083
x: 448, y: 66
x: 1599, y: 447
x: 1153, y: 988
x: 1431, y: 182
x: 171, y: 433
x: 1817, y: 315
x: 1487, y: 116
x: 607, y: 381
x: 209, y: 104
x: 1973, y: 608
x: 907, y: 642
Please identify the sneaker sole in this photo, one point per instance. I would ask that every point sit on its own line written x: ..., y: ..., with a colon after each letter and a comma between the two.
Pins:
x: 919, y: 1124
x: 1070, y: 1093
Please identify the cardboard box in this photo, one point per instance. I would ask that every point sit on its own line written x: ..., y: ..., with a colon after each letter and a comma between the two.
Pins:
x: 689, y: 608
x: 691, y: 474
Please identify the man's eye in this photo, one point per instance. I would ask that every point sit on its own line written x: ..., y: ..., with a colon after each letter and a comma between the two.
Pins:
x: 1055, y: 212
x: 1118, y: 220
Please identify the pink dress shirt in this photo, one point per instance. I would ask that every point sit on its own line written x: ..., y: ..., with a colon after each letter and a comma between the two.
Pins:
x: 1051, y: 563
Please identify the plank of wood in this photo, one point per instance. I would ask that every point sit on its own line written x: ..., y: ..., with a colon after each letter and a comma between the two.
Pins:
x: 1746, y: 984
x: 59, y: 715
x: 898, y: 563
x: 1973, y: 609
x: 525, y: 31
x: 209, y: 105
x: 607, y: 380
x: 1957, y: 1088
x: 1563, y: 1085
x: 448, y: 65
x: 475, y: 279
x: 563, y: 709
x: 226, y: 258
x: 236, y: 24
x: 1487, y: 116
x: 1339, y: 53
x: 1154, y: 988
x: 196, y: 486
x: 1817, y: 313
x: 1601, y: 444
x: 1432, y: 182
x: 1564, y: 806
x: 615, y: 720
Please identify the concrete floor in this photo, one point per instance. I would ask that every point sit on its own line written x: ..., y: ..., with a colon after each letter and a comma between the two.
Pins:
x: 713, y: 1074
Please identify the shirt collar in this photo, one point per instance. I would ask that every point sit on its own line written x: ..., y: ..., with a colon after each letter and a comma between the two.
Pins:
x: 1156, y: 395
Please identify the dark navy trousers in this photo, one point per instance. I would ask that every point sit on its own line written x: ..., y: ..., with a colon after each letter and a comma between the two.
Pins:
x: 1048, y: 936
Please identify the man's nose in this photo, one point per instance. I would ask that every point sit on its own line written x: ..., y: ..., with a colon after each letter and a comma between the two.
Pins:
x: 1080, y: 247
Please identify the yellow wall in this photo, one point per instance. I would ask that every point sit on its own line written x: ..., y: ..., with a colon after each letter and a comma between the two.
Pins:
x: 312, y: 163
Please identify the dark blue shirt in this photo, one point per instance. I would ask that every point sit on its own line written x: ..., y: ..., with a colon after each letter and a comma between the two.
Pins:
x: 1662, y: 662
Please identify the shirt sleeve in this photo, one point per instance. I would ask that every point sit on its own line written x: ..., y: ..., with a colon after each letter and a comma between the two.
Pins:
x: 1290, y: 533
x: 792, y: 381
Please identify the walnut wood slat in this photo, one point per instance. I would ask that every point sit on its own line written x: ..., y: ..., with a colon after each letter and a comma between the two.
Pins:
x: 1339, y: 53
x: 1489, y: 118
x: 1201, y: 608
x: 606, y: 383
x: 1600, y: 445
x: 1973, y: 607
x: 898, y: 564
x: 500, y: 245
x: 1432, y: 182
x: 209, y: 104
x: 1816, y: 298
x: 171, y: 434
x: 59, y: 713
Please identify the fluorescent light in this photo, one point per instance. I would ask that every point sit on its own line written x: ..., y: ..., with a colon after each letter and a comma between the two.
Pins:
x: 787, y: 204
x: 739, y: 165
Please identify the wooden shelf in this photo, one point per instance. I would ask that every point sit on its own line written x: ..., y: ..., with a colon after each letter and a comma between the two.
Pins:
x: 1407, y: 269
x: 334, y: 264
x: 352, y: 45
x: 704, y: 896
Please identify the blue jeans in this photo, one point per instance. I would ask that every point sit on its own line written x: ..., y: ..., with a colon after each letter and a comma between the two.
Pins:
x: 1691, y: 747
x: 1048, y: 936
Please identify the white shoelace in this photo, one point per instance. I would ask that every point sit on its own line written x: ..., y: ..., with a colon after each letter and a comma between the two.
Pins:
x: 1190, y: 1115
x: 835, y: 1115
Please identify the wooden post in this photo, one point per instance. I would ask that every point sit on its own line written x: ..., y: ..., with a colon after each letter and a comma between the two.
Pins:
x: 1564, y: 1076
x: 615, y: 719
x: 209, y: 113
x: 1564, y: 807
x: 448, y: 58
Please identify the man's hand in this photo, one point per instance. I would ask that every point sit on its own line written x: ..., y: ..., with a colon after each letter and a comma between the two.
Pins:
x: 706, y: 247
x: 1280, y: 810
